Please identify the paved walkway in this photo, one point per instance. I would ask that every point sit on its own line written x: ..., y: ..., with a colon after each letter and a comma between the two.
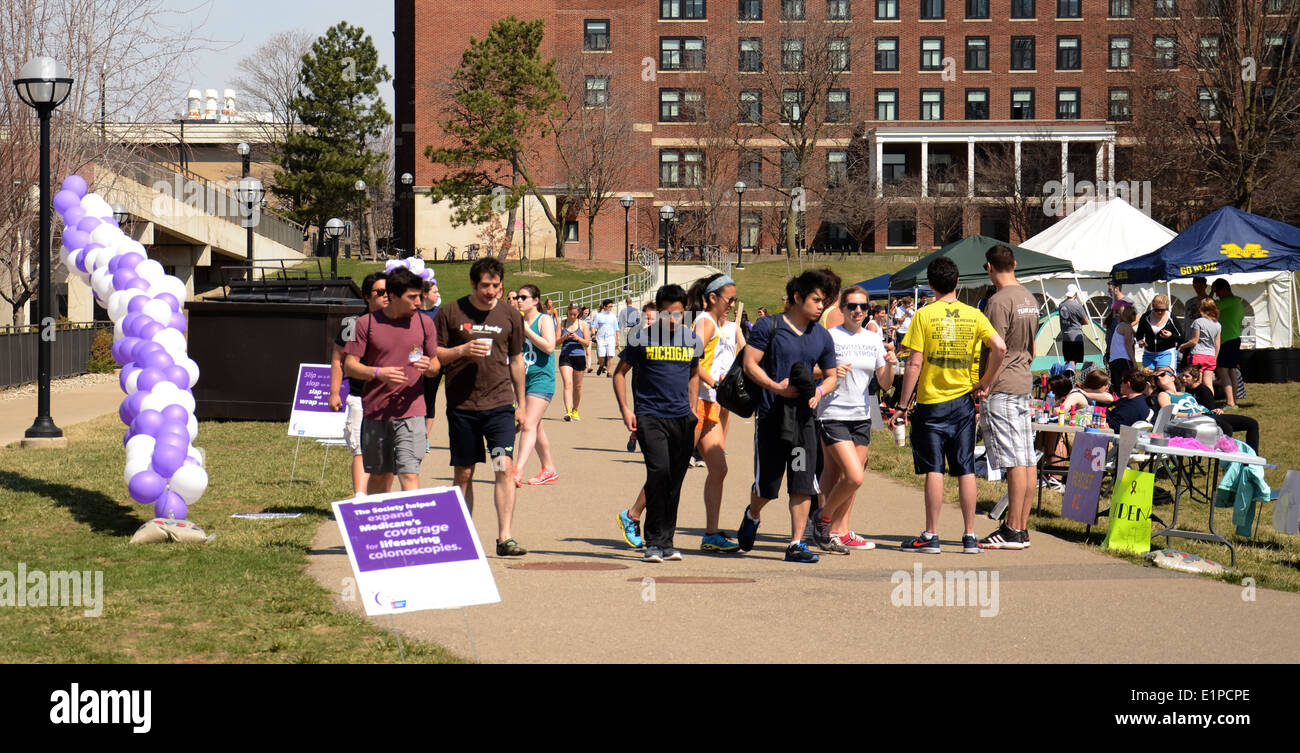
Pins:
x: 1055, y: 602
x: 66, y: 408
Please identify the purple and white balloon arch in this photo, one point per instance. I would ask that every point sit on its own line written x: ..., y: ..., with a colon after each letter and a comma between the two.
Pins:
x: 163, y: 467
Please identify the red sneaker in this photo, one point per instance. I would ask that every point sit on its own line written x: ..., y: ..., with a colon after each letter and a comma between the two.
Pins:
x: 544, y: 477
x: 855, y: 542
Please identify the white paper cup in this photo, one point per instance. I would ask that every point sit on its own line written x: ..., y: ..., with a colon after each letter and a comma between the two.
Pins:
x: 487, y: 340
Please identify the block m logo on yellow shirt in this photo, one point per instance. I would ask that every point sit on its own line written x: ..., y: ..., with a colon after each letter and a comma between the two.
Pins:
x: 1249, y: 251
x: 947, y: 336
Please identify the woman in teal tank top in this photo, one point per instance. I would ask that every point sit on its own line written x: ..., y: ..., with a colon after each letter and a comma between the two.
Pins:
x: 539, y: 386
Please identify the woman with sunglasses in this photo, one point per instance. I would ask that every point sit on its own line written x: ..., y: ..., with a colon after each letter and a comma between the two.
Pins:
x: 539, y: 386
x: 1159, y: 335
x: 574, y: 338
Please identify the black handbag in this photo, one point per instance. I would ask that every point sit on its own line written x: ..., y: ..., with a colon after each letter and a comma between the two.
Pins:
x: 737, y: 392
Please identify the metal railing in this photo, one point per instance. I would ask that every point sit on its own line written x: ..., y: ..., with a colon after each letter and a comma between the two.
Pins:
x: 69, y: 350
x: 635, y: 285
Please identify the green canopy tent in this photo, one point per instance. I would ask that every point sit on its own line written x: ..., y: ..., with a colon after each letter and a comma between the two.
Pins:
x: 969, y: 255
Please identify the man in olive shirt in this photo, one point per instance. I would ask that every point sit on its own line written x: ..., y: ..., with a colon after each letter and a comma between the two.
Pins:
x: 481, y: 342
x: 1231, y: 312
x: 1008, y: 433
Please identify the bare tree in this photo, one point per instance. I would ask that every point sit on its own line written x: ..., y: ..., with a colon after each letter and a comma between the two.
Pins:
x: 270, y: 78
x: 123, y: 56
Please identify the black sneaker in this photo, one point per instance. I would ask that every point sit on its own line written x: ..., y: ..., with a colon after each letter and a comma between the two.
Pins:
x: 747, y: 532
x: 833, y: 546
x: 923, y: 544
x: 510, y: 548
x: 799, y: 553
x: 1024, y: 538
x: 1005, y: 537
x: 821, y: 531
x: 970, y: 544
x: 653, y: 554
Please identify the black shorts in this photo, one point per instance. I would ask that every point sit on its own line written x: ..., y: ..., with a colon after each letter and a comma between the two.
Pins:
x: 468, y: 431
x: 774, y: 458
x: 431, y: 395
x: 1072, y: 351
x: 857, y: 432
x: 1230, y: 354
x: 577, y: 363
x: 944, y: 431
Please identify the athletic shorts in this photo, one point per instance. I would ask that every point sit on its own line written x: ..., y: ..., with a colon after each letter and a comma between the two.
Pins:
x: 1158, y: 359
x: 468, y: 431
x: 1204, y: 361
x: 944, y: 431
x: 606, y: 346
x: 352, y: 427
x: 774, y: 458
x: 393, y: 446
x: 577, y: 363
x: 708, y: 412
x: 1008, y: 433
x: 1072, y: 351
x: 1230, y: 353
x: 857, y: 432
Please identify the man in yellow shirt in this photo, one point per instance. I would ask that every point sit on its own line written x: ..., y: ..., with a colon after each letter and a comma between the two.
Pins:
x: 944, y: 340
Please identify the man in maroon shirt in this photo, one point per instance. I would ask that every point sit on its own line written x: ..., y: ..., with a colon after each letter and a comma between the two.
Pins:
x: 398, y: 348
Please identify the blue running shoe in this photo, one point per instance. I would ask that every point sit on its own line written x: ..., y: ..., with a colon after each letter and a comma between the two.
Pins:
x: 799, y: 553
x: 716, y: 542
x: 631, y: 530
x: 748, y: 532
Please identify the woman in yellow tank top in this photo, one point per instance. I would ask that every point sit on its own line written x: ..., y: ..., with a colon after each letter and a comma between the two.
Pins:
x: 712, y: 297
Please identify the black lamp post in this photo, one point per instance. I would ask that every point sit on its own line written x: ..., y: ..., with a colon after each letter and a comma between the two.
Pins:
x: 44, y: 84
x: 244, y: 151
x: 333, y: 229
x: 407, y: 234
x: 666, y: 213
x: 250, y: 194
x: 360, y: 186
x: 740, y: 199
x: 626, y: 201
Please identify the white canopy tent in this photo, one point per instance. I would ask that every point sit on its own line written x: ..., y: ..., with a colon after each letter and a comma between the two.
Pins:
x: 1100, y: 234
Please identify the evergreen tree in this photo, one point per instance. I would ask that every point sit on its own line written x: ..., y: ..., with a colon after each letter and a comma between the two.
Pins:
x: 339, y: 106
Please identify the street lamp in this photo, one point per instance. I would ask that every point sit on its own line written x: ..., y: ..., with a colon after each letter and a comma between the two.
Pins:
x: 44, y: 84
x: 360, y: 185
x: 626, y: 201
x: 250, y: 194
x: 408, y: 238
x: 666, y: 213
x: 333, y: 229
x: 740, y: 200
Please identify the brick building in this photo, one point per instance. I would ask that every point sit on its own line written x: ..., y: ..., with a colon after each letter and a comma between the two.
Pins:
x: 936, y: 88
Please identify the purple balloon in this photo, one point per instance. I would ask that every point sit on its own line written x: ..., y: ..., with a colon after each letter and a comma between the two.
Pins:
x: 170, y: 505
x: 132, y: 407
x: 157, y: 360
x: 88, y: 224
x: 132, y: 321
x: 192, y: 461
x: 126, y: 438
x: 113, y: 264
x: 170, y: 300
x: 123, y: 278
x: 124, y: 413
x: 167, y: 458
x: 73, y: 216
x: 129, y: 261
x: 146, y: 347
x: 128, y: 369
x: 149, y: 329
x: 65, y: 200
x: 140, y: 285
x: 146, y: 486
x: 76, y: 184
x: 75, y: 239
x: 178, y: 376
x: 122, y: 350
x: 149, y: 422
x: 149, y: 378
x: 179, y: 322
x: 176, y: 414
x: 174, y: 441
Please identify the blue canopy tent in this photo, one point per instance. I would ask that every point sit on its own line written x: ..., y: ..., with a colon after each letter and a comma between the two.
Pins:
x: 1227, y: 241
x: 878, y: 287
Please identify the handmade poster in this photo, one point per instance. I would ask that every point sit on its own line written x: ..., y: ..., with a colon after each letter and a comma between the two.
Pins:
x: 1130, y: 513
x: 311, y: 415
x: 1083, y: 486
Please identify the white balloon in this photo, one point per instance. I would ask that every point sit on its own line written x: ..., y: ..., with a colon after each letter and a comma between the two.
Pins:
x: 118, y: 334
x: 132, y: 380
x: 198, y: 454
x: 172, y: 340
x: 102, y: 283
x: 117, y: 303
x: 189, y: 365
x: 186, y: 401
x: 417, y: 265
x: 153, y: 401
x: 130, y: 245
x: 135, y: 465
x: 150, y: 271
x: 140, y: 444
x: 189, y: 481
x: 96, y: 206
x: 164, y: 388
x: 176, y: 287
x: 106, y: 235
x: 158, y: 310
x: 192, y: 425
x: 65, y: 256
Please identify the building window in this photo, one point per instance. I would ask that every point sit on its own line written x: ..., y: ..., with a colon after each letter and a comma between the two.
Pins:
x: 792, y: 55
x: 977, y: 53
x: 1022, y: 53
x: 837, y: 54
x: 902, y: 232
x: 893, y: 167
x: 1208, y: 8
x: 886, y: 104
x: 1275, y: 7
x: 837, y: 167
x: 680, y: 168
x: 977, y: 104
x: 1068, y: 9
x: 751, y: 167
x: 977, y: 8
x: 837, y: 106
x: 1274, y: 46
x: 1117, y: 107
x: 674, y: 9
x: 1120, y: 48
x: 1067, y: 54
x: 751, y: 10
x: 751, y: 105
x: 789, y: 169
x: 1022, y: 104
x: 681, y: 53
x: 886, y: 10
x: 570, y: 231
x: 1208, y: 51
x: 1166, y: 57
x: 791, y: 106
x: 931, y: 9
x: 931, y: 53
x: 886, y: 53
x: 597, y: 91
x: 1207, y: 105
x: 792, y: 10
x: 932, y: 104
x: 680, y: 105
x: 1022, y: 8
x: 751, y: 55
x: 595, y: 35
x: 749, y: 228
x: 1067, y: 104
x: 838, y: 10
x: 1120, y: 9
x: 1166, y: 9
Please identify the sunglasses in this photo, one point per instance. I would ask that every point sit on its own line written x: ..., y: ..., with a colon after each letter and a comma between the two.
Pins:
x: 857, y: 306
x: 1164, y: 373
x: 1160, y: 311
x: 378, y: 292
x: 522, y: 298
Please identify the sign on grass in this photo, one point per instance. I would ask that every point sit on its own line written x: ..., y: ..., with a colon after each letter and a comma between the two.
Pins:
x: 311, y: 415
x: 1083, y: 486
x: 415, y: 550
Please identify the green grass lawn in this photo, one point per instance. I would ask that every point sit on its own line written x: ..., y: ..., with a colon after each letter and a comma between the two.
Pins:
x: 762, y: 283
x: 246, y: 597
x: 1271, y: 558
